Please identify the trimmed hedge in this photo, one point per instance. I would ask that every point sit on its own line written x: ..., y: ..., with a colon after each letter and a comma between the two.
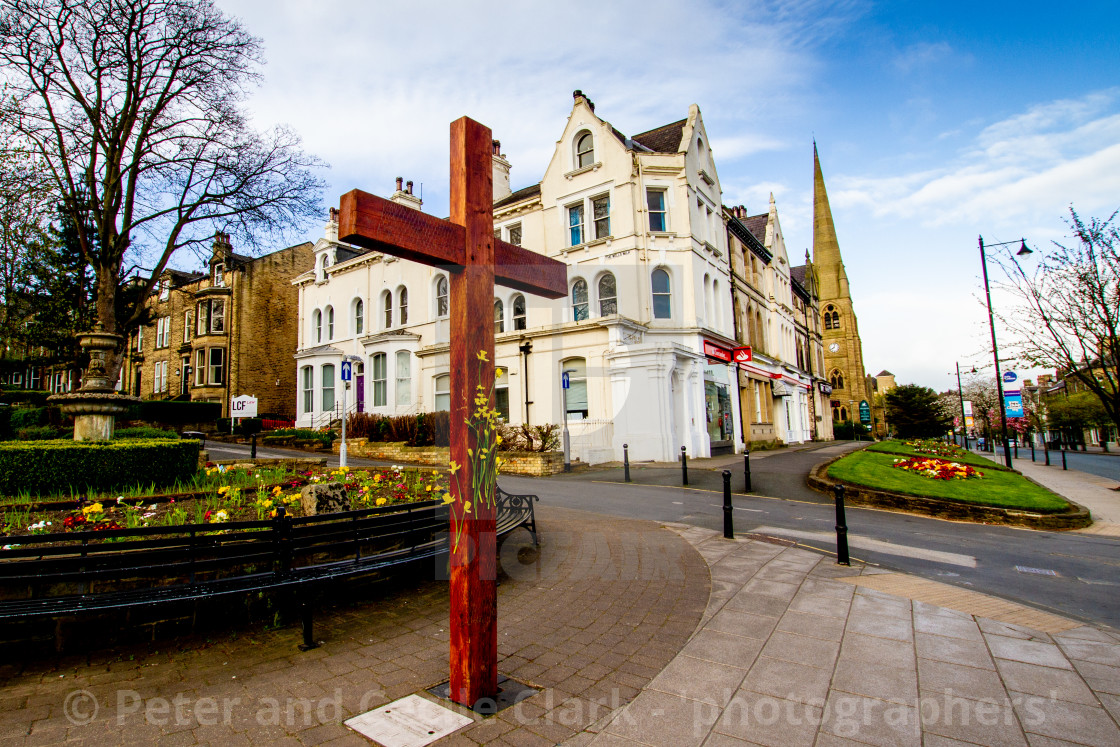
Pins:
x: 48, y: 467
x: 143, y: 431
x: 29, y: 417
x: 12, y: 395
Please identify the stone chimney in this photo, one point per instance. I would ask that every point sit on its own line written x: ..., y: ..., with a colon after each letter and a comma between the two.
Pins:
x: 404, y: 196
x: 501, y: 172
x: 222, y: 248
x: 330, y: 231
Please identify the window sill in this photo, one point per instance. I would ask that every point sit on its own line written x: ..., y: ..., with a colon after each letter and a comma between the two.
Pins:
x: 593, y: 167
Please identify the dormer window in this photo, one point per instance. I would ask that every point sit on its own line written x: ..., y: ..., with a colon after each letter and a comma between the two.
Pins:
x: 218, y: 279
x: 585, y: 150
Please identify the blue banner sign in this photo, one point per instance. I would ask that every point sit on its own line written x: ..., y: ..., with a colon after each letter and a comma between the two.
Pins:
x: 1013, y: 405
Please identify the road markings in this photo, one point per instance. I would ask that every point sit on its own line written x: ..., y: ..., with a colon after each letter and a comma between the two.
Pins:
x: 888, y: 548
x: 738, y: 508
x: 1036, y: 571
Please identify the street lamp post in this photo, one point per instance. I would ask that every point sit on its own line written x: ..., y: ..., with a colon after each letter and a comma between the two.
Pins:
x: 964, y: 420
x: 1023, y: 251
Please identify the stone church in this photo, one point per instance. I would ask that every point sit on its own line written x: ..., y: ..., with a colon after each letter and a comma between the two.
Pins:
x: 843, y: 351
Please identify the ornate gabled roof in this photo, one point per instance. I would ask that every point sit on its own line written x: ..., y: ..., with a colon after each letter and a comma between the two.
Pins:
x: 663, y: 139
x: 750, y: 239
x: 884, y: 372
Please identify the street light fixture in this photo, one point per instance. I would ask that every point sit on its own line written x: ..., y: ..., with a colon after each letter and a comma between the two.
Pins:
x: 1023, y: 251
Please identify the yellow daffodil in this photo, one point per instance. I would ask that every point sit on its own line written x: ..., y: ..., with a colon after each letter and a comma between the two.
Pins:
x: 481, y: 355
x: 381, y: 501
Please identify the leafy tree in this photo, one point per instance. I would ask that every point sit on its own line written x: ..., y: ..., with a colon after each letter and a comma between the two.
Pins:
x: 914, y: 412
x: 134, y: 109
x: 1067, y: 315
x: 1073, y: 414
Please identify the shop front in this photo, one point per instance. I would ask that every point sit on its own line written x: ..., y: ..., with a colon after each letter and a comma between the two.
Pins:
x: 717, y: 400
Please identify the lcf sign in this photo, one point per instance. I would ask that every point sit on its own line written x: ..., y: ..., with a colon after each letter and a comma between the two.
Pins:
x: 243, y: 407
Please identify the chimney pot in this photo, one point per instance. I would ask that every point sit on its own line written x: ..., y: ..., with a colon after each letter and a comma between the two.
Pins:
x: 333, y: 215
x: 400, y: 181
x: 408, y: 186
x: 497, y: 147
x: 577, y: 94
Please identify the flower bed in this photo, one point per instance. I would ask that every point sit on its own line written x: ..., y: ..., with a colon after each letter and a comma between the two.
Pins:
x: 938, y: 469
x: 228, y: 494
x: 935, y: 447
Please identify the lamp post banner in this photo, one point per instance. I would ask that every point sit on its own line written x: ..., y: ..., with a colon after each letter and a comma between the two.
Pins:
x: 1012, y: 383
x: 1013, y: 405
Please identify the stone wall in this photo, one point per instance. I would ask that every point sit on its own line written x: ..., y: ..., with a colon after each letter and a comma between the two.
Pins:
x: 532, y: 463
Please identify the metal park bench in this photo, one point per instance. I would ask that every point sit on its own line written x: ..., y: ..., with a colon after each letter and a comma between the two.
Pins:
x: 73, y: 573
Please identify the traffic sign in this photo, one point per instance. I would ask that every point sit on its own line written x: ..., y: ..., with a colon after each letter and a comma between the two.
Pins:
x: 346, y: 370
x: 564, y: 380
x: 742, y: 355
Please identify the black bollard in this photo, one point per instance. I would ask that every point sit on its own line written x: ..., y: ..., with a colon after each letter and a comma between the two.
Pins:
x: 1064, y: 457
x: 1016, y: 449
x: 684, y: 466
x: 841, y: 529
x: 747, y: 471
x: 1032, y: 449
x: 253, y: 449
x: 1046, y: 451
x: 626, y: 462
x: 728, y: 521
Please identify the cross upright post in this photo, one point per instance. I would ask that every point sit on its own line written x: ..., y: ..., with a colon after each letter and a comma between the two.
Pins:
x: 465, y: 247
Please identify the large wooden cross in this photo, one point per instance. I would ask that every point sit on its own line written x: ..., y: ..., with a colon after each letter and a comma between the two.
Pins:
x: 466, y: 247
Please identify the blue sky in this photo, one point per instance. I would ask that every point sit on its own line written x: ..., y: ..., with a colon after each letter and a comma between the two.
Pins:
x: 936, y: 122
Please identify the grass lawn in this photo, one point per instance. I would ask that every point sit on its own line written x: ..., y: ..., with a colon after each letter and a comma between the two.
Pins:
x: 996, y: 488
x: 962, y: 456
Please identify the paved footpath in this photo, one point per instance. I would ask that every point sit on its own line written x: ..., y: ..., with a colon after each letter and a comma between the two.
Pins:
x: 795, y: 650
x: 636, y: 633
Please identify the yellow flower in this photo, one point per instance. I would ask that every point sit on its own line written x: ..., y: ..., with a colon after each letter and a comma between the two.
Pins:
x: 466, y: 508
x: 277, y: 490
x: 381, y: 501
x: 223, y: 490
x: 498, y: 374
x: 497, y: 440
x: 454, y: 467
x: 447, y: 499
x: 481, y: 355
x: 429, y: 488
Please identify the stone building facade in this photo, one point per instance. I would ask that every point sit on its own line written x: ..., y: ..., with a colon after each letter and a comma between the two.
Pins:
x: 224, y: 333
x: 775, y: 310
x: 645, y: 333
x: 843, y: 349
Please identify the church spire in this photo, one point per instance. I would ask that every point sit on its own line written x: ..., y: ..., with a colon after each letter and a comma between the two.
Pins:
x: 826, y: 247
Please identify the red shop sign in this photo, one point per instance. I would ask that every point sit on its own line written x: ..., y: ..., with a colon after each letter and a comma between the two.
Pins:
x: 715, y: 351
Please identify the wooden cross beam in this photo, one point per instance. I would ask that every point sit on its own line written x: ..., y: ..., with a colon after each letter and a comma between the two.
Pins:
x: 466, y: 247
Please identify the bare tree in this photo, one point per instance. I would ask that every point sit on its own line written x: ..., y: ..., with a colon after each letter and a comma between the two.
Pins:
x: 134, y: 108
x: 1068, y: 311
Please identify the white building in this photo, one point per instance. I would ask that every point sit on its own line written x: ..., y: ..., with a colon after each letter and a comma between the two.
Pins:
x: 638, y: 220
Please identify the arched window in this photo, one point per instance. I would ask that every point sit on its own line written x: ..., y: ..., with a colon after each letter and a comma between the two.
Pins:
x: 662, y: 306
x: 836, y: 320
x: 579, y: 300
x: 585, y: 150
x: 717, y: 305
x: 831, y: 318
x: 499, y: 316
x: 379, y: 380
x: 359, y: 317
x: 843, y: 413
x: 404, y: 377
x: 402, y: 304
x: 330, y: 322
x: 608, y: 297
x: 387, y: 307
x: 837, y: 380
x: 441, y: 296
x: 576, y: 369
x: 708, y: 298
x: 519, y: 311
x: 443, y: 393
x: 317, y: 325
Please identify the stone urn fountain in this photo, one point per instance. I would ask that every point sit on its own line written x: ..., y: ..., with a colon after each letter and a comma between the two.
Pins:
x: 96, y: 404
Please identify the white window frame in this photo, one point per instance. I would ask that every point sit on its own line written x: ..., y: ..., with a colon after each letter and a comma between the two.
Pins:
x: 379, y: 379
x: 402, y: 304
x: 307, y: 380
x: 359, y: 317
x: 330, y: 323
x: 403, y: 364
x: 200, y: 367
x: 578, y: 155
x: 579, y: 209
x: 668, y: 294
x: 441, y: 402
x: 216, y: 371
x: 163, y: 332
x: 600, y: 298
x: 499, y: 316
x: 520, y: 321
x: 217, y: 277
x: 443, y: 300
x: 586, y: 303
x: 326, y: 384
x: 601, y: 226
x: 663, y: 194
